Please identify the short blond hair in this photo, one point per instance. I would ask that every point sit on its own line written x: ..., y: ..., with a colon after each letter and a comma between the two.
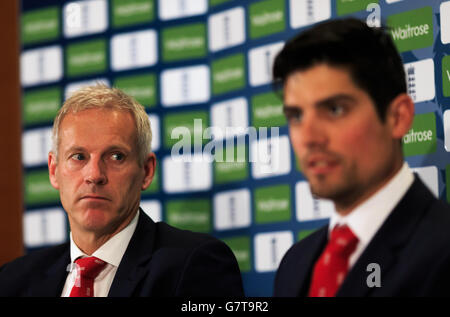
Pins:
x: 100, y: 96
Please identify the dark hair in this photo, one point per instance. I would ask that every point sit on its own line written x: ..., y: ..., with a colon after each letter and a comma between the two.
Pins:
x: 368, y: 53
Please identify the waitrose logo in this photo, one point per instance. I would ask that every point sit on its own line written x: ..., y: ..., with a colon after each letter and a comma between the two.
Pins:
x: 86, y: 58
x: 413, y: 29
x: 228, y: 74
x: 40, y: 25
x: 38, y: 188
x: 132, y: 12
x: 267, y: 110
x: 418, y: 136
x: 190, y: 214
x: 272, y: 204
x: 141, y: 87
x: 41, y: 105
x: 186, y: 41
x: 421, y: 138
x: 131, y: 9
x: 241, y: 249
x: 408, y: 31
x: 266, y: 17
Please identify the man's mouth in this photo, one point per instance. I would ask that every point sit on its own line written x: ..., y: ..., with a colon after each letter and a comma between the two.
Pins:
x: 93, y: 197
x: 319, y: 165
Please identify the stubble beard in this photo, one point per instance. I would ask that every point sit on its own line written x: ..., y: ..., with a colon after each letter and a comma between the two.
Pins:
x: 343, y: 192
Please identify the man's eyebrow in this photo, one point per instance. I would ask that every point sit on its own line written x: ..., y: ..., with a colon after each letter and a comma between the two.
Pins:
x: 110, y: 148
x: 118, y: 147
x: 321, y: 103
x: 335, y: 98
x: 290, y: 108
x: 75, y: 148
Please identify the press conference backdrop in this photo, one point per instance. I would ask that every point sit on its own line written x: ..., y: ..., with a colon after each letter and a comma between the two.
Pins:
x: 211, y: 60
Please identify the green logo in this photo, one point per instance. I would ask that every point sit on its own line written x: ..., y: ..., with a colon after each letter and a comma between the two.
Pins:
x: 446, y: 75
x: 267, y: 17
x: 228, y: 74
x: 41, y: 105
x: 344, y: 7
x: 267, y: 110
x: 141, y: 87
x: 421, y: 138
x: 190, y: 214
x: 272, y: 204
x: 241, y: 249
x: 40, y: 25
x: 217, y: 2
x: 412, y: 29
x: 183, y: 42
x: 132, y: 12
x: 38, y: 189
x: 304, y: 233
x: 86, y: 58
x: 230, y: 170
x: 185, y: 121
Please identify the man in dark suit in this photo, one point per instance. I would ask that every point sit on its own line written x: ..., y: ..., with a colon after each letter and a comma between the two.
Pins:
x: 345, y: 99
x: 100, y: 161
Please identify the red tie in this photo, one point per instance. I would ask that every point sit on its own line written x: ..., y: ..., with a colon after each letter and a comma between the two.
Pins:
x: 87, y: 270
x: 332, y: 266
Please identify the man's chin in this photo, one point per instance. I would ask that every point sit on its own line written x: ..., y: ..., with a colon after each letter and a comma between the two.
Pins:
x: 94, y: 220
x: 325, y: 191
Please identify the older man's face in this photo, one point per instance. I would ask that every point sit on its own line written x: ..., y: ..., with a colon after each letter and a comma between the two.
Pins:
x: 97, y: 171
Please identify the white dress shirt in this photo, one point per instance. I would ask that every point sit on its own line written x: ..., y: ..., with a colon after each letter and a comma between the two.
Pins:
x: 111, y: 252
x: 367, y: 218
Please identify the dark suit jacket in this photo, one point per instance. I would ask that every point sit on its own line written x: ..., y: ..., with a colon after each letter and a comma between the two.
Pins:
x: 160, y: 261
x: 412, y: 248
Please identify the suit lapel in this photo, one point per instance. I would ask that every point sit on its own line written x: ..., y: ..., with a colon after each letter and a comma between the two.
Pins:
x: 389, y: 240
x: 51, y: 282
x: 139, y: 251
x: 302, y: 278
x: 355, y: 283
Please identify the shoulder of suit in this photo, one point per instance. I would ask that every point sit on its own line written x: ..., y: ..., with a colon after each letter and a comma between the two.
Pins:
x: 437, y: 218
x: 35, y: 258
x: 170, y: 236
x: 315, y: 237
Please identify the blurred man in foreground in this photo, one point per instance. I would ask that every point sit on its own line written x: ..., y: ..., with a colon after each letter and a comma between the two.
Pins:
x: 345, y: 99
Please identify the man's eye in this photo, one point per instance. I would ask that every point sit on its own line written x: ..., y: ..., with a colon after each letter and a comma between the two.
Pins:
x: 77, y: 157
x: 336, y: 110
x: 118, y: 157
x: 293, y: 115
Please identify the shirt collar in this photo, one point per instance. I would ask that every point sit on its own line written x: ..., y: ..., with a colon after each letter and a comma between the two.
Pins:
x: 367, y: 218
x: 112, y: 250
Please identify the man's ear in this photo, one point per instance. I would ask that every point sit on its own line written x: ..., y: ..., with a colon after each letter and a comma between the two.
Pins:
x: 400, y: 115
x: 52, y: 170
x: 149, y: 168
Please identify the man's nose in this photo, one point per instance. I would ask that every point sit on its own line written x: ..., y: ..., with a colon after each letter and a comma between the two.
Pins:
x: 95, y: 172
x: 313, y: 132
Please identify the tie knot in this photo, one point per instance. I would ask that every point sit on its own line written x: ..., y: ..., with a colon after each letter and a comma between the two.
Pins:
x: 343, y: 240
x: 90, y: 267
